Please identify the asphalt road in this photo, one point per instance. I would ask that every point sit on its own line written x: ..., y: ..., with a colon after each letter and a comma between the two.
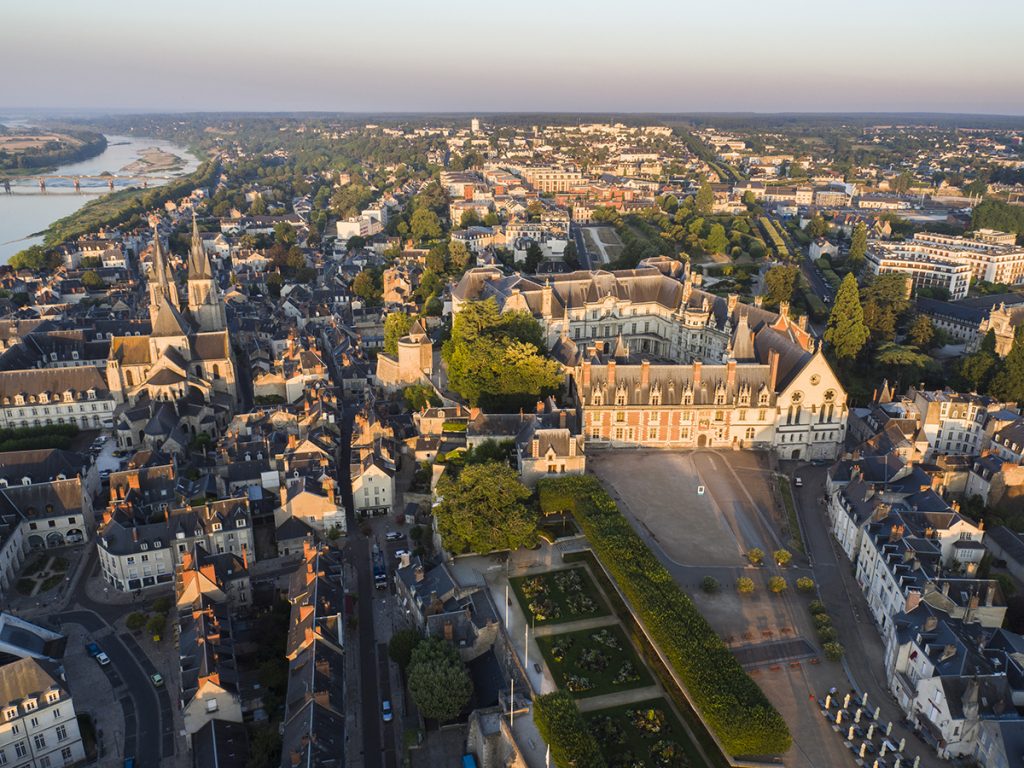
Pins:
x: 581, y: 247
x: 143, y: 731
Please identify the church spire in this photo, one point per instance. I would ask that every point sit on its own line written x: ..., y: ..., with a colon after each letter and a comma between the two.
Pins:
x: 161, y: 284
x: 198, y: 261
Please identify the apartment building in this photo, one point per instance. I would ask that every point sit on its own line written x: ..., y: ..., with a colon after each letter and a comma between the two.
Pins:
x: 38, y: 725
x: 924, y: 270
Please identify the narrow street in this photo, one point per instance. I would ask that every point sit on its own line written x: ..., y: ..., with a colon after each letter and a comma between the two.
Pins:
x: 865, y: 654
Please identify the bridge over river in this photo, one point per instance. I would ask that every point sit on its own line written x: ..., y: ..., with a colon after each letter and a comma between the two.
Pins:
x: 26, y: 185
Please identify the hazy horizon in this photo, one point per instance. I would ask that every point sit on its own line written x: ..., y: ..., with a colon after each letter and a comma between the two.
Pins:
x: 317, y: 56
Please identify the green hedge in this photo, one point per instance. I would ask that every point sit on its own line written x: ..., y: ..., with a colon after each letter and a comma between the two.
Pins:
x: 731, y: 704
x: 559, y: 723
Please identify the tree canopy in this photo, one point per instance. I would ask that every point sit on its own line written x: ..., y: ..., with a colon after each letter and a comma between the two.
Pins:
x: 396, y: 325
x: 858, y: 245
x: 425, y: 225
x: 779, y: 283
x: 1008, y: 383
x: 846, y: 331
x: 438, y: 680
x: 705, y: 199
x: 496, y: 359
x: 367, y: 286
x: 485, y: 510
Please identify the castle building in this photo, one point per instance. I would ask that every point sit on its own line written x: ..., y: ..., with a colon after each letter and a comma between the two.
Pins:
x: 657, y: 362
x: 414, y: 363
x: 186, y: 355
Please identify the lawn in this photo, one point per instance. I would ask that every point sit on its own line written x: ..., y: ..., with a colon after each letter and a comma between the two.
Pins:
x: 593, y: 662
x: 559, y: 596
x: 646, y: 733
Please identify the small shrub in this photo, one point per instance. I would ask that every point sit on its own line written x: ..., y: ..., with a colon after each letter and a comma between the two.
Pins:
x: 805, y: 584
x: 136, y: 620
x: 782, y: 556
x: 155, y: 625
x: 744, y: 585
x: 709, y: 584
x: 755, y: 556
x: 816, y: 607
x: 822, y: 620
x: 827, y: 634
x: 777, y: 584
x: 833, y: 651
x: 163, y: 604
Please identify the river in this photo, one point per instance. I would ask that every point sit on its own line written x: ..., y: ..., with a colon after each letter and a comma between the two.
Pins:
x: 26, y: 211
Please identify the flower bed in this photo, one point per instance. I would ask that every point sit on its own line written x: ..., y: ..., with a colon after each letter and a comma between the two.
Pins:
x: 593, y: 662
x: 558, y: 597
x: 729, y: 702
x: 644, y: 734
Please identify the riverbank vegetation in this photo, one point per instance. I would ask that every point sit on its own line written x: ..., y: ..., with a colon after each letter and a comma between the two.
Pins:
x: 24, y: 152
x: 126, y: 208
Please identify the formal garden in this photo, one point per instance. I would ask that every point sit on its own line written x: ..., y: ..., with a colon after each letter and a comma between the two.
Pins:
x: 644, y: 734
x: 41, y: 574
x: 594, y: 662
x: 558, y: 597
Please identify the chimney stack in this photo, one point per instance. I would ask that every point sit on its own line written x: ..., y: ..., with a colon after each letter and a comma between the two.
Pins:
x: 930, y: 624
x: 773, y: 369
x: 611, y: 375
x: 645, y: 373
x: 585, y: 376
x: 730, y: 375
x: 696, y: 375
x: 418, y: 573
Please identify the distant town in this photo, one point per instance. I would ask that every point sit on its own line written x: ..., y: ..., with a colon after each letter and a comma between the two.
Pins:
x: 484, y: 441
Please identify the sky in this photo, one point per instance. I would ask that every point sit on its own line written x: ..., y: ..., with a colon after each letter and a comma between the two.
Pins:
x: 512, y: 56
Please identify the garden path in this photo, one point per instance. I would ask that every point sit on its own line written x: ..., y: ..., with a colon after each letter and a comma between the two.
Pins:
x: 574, y: 626
x: 619, y: 698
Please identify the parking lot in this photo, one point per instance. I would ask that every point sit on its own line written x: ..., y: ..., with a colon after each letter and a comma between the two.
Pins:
x: 697, y: 535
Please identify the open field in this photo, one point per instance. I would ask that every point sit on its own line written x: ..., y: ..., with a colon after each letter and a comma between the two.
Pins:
x: 603, y: 242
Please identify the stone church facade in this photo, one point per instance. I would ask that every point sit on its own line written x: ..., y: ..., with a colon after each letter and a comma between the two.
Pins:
x: 188, y: 353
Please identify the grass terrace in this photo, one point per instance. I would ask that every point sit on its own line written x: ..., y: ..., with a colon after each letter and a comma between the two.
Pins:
x: 594, y: 662
x: 558, y: 597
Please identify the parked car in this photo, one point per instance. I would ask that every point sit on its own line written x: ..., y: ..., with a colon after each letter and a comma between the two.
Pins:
x: 93, y: 650
x: 102, y: 658
x: 157, y: 680
x: 400, y: 553
x: 394, y: 536
x: 385, y: 711
x: 798, y: 482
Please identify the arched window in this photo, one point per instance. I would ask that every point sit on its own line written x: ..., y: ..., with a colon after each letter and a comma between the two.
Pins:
x: 129, y: 378
x: 216, y: 371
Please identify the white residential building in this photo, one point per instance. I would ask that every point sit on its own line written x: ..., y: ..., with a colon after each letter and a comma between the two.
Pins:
x: 38, y: 726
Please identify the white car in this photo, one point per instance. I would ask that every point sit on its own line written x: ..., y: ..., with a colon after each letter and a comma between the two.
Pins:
x: 399, y: 554
x: 102, y: 658
x: 394, y: 536
x: 385, y: 711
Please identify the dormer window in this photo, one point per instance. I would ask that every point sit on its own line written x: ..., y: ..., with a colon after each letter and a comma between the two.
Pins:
x: 10, y: 713
x: 240, y: 524
x: 143, y: 546
x: 216, y: 527
x: 597, y: 396
x: 179, y: 535
x: 74, y: 354
x: 29, y: 705
x: 19, y: 399
x: 762, y: 399
x: 91, y: 394
x: 53, y: 357
x: 688, y: 398
x: 656, y: 396
x: 44, y: 398
x: 620, y: 396
x: 157, y: 544
x: 68, y: 397
x: 52, y: 697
